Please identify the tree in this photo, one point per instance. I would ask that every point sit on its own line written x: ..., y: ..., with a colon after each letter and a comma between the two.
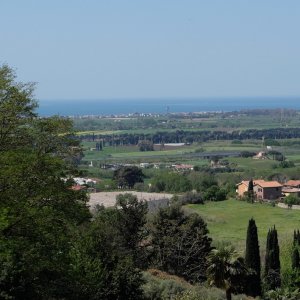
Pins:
x: 128, y: 176
x: 224, y: 271
x: 251, y: 191
x: 291, y: 200
x: 102, y: 265
x: 214, y: 193
x: 145, y: 145
x: 131, y: 219
x: 252, y: 260
x: 180, y: 243
x: 272, y: 262
x: 38, y: 210
x: 295, y: 259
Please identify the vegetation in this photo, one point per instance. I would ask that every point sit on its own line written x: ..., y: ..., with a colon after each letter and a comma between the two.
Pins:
x: 180, y: 244
x: 252, y: 260
x: 272, y: 261
x: 127, y: 177
x: 52, y: 247
x: 225, y: 272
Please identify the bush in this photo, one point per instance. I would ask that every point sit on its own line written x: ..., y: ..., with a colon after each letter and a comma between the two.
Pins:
x: 246, y: 154
x: 291, y: 200
x: 286, y: 164
x: 214, y: 193
x: 161, y: 285
x: 191, y: 198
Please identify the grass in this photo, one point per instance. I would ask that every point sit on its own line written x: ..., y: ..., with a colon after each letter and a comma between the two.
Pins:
x: 228, y: 221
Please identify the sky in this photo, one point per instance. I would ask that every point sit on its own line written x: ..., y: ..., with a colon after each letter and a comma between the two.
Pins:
x: 107, y: 49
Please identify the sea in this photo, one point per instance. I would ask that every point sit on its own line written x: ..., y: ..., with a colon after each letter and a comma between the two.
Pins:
x: 160, y: 106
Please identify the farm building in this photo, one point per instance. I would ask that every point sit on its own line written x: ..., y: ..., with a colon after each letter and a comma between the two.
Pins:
x: 263, y: 190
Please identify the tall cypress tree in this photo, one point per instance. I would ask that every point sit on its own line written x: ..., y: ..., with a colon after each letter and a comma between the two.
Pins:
x: 251, y: 191
x: 252, y: 260
x: 295, y: 259
x: 272, y: 261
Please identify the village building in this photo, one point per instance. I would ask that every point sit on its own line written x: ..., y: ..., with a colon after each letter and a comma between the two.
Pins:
x: 263, y: 190
x: 293, y: 183
x: 260, y: 155
x: 267, y: 190
x: 286, y: 191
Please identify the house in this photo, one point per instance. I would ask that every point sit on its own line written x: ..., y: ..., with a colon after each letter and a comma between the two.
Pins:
x: 267, y: 190
x: 264, y: 190
x: 286, y: 191
x: 183, y: 167
x: 293, y: 183
x: 260, y: 155
x: 242, y: 188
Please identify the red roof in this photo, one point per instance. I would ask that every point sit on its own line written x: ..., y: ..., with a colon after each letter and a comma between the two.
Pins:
x: 293, y: 183
x: 262, y: 183
x: 77, y: 187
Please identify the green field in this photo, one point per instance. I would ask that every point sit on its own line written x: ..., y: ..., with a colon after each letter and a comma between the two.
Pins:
x: 228, y: 221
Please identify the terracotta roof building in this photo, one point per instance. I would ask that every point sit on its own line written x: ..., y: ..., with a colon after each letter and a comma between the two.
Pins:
x: 264, y: 190
x: 293, y: 183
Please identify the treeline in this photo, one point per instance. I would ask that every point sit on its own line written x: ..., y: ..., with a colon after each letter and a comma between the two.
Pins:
x: 181, y: 136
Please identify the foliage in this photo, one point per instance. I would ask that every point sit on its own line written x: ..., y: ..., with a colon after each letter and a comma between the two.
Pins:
x: 191, y: 198
x: 272, y: 262
x: 180, y: 243
x: 283, y: 294
x: 246, y: 154
x: 128, y: 176
x: 291, y: 200
x: 160, y: 285
x: 295, y: 259
x: 206, y: 293
x: 38, y: 211
x: 145, y: 145
x: 214, y: 193
x: 225, y: 272
x: 286, y: 164
x: 102, y: 265
x: 171, y: 182
x: 131, y: 218
x: 252, y: 260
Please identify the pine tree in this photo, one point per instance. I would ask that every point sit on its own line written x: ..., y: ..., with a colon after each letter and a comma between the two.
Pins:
x: 252, y: 260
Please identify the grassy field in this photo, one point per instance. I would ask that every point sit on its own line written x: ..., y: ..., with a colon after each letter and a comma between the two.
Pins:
x: 228, y: 221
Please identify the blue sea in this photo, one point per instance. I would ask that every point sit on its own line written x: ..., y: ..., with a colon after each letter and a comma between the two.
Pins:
x: 127, y: 106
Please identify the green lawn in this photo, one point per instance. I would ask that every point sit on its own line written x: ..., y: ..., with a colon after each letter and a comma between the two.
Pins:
x: 228, y: 220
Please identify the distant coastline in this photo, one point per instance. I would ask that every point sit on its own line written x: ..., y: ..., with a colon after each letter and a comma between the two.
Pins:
x: 161, y: 106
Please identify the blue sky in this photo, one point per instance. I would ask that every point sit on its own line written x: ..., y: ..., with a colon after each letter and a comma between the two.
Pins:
x: 77, y: 49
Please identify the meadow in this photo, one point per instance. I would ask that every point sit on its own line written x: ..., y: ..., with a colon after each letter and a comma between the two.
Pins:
x: 228, y: 221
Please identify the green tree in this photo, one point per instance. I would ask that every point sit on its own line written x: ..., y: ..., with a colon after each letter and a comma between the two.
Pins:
x: 251, y: 191
x: 102, y: 265
x: 214, y: 193
x: 295, y: 259
x: 272, y: 262
x: 180, y: 243
x: 128, y: 176
x: 224, y: 271
x: 252, y: 260
x: 131, y: 219
x: 38, y: 210
x: 145, y: 145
